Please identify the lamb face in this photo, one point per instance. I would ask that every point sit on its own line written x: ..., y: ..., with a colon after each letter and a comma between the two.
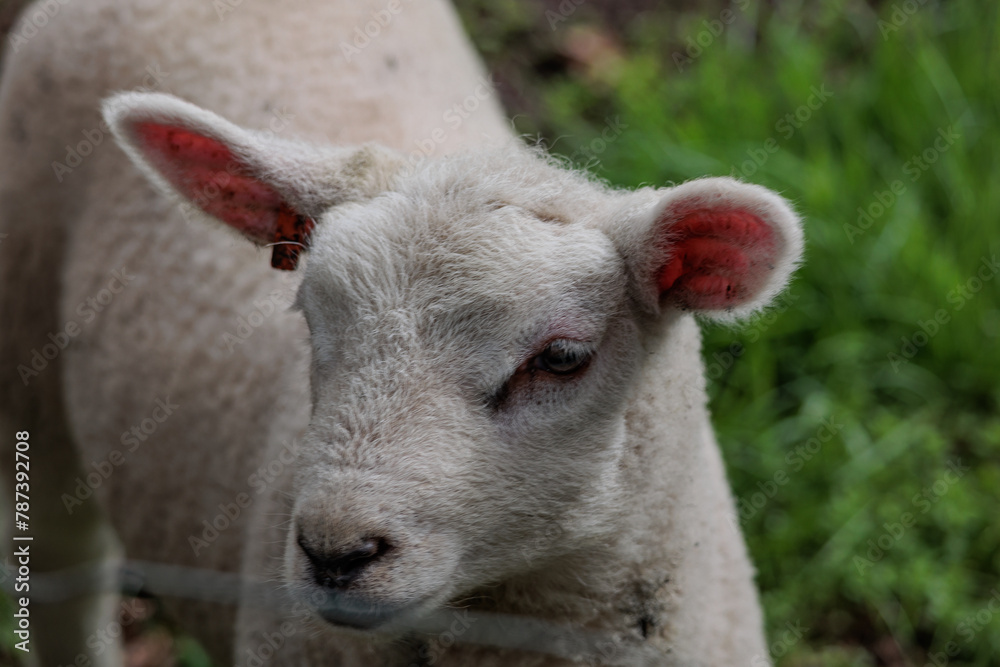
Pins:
x: 470, y: 368
x: 477, y: 325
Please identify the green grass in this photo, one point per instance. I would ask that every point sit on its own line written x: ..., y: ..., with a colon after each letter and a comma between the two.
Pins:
x: 827, y: 352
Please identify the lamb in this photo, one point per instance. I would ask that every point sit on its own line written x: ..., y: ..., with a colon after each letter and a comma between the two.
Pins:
x: 479, y: 423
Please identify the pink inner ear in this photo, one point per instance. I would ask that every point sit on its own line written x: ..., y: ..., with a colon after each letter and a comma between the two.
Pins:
x: 718, y: 258
x: 205, y: 171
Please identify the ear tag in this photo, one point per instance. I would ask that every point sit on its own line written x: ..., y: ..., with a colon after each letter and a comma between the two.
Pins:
x: 291, y: 232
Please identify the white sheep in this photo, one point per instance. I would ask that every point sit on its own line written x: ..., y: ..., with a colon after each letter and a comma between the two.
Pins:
x: 498, y: 407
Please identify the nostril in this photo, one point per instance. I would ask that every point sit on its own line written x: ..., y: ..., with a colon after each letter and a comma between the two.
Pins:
x: 338, y: 570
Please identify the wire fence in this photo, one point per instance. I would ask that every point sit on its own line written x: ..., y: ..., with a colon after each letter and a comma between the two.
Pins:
x: 485, y: 629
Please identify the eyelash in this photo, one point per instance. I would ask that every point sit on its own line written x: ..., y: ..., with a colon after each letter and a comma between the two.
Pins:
x: 575, y: 357
x: 539, y: 363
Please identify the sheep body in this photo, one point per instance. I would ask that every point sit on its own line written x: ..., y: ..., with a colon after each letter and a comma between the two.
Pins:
x: 189, y: 366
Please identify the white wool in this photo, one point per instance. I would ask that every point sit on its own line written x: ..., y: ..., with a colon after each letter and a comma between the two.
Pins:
x: 390, y: 389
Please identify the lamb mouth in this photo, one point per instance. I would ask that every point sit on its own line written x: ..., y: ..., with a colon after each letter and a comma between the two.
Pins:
x: 363, y: 615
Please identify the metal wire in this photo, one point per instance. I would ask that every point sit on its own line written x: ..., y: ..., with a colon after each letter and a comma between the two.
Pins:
x: 486, y: 629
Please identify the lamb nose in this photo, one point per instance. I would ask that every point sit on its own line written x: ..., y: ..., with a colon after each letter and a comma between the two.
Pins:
x: 340, y: 569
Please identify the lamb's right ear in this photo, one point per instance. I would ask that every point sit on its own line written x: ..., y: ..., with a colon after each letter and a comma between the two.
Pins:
x: 713, y: 246
x: 271, y: 190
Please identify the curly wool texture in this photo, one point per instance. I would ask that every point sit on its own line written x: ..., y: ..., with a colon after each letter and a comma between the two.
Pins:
x: 388, y: 402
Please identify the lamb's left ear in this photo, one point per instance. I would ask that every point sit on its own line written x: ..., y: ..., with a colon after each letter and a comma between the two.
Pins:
x: 715, y: 246
x: 269, y: 189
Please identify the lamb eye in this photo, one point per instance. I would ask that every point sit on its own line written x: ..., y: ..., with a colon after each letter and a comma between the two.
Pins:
x: 563, y: 357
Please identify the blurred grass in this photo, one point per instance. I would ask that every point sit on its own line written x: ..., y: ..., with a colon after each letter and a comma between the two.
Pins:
x: 824, y: 354
x: 897, y: 80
